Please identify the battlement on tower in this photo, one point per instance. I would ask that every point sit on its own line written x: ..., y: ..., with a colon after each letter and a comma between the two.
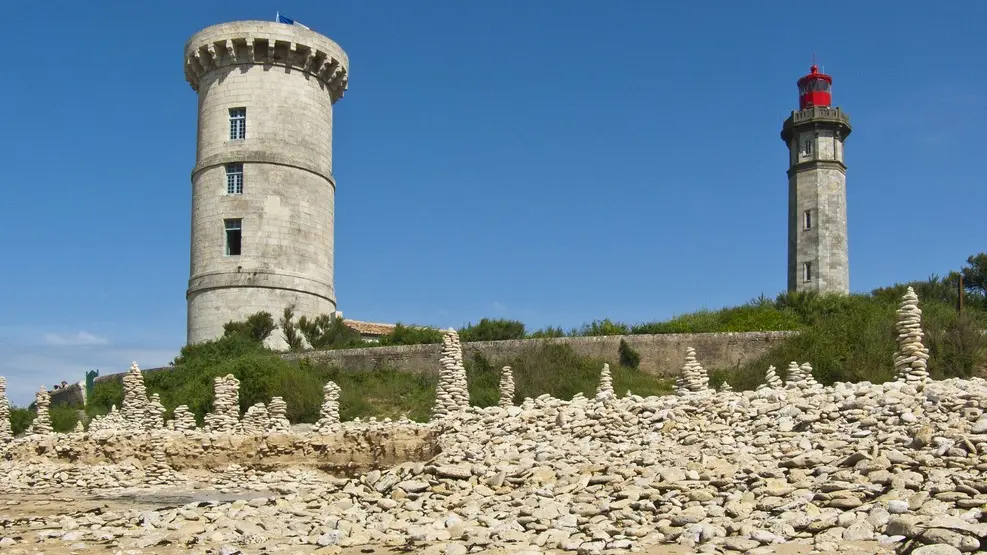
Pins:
x: 267, y: 43
x: 816, y: 115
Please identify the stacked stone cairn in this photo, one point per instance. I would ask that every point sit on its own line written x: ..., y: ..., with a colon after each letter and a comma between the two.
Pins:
x: 506, y: 387
x: 329, y: 413
x: 808, y: 380
x: 796, y: 377
x: 158, y: 473
x: 693, y: 378
x: 79, y: 428
x: 184, y: 420
x: 225, y: 417
x: 911, y: 358
x: 154, y: 414
x: 278, y: 422
x: 725, y: 387
x: 110, y: 422
x: 42, y: 422
x: 452, y: 393
x: 771, y: 380
x: 6, y: 433
x: 135, y: 406
x: 256, y: 420
x: 605, y: 389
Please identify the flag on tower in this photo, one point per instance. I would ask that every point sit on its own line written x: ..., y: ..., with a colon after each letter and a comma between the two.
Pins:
x: 288, y: 20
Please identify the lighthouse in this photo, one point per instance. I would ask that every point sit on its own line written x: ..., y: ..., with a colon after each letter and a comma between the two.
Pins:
x: 818, y: 256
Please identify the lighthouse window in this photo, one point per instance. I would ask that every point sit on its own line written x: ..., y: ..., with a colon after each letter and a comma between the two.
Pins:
x: 238, y: 123
x: 233, y: 235
x: 807, y: 271
x: 807, y: 219
x: 234, y: 179
x: 807, y: 147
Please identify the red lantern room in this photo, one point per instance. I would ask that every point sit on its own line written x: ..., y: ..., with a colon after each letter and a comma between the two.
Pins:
x: 814, y: 89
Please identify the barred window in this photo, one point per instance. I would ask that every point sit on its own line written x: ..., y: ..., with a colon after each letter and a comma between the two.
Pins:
x: 238, y: 123
x: 234, y: 179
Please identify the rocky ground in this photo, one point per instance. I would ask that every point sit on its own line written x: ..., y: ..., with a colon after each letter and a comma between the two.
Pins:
x: 800, y: 468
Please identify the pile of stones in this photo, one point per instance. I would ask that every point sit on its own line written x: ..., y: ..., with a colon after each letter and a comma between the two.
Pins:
x: 771, y: 380
x: 605, y: 388
x: 452, y: 393
x: 134, y: 410
x: 154, y: 413
x: 159, y: 473
x: 6, y: 434
x: 256, y: 420
x: 225, y: 416
x: 911, y: 358
x: 278, y: 416
x: 693, y: 378
x: 506, y: 388
x: 183, y: 421
x: 329, y: 412
x: 42, y: 422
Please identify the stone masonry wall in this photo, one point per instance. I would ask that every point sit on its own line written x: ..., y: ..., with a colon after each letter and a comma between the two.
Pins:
x: 661, y: 355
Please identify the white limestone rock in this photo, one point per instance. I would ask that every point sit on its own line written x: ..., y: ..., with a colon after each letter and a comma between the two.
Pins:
x: 693, y: 379
x: 134, y: 410
x: 225, y: 416
x: 506, y: 387
x: 911, y: 358
x: 278, y: 422
x: 6, y: 433
x: 256, y: 420
x: 42, y: 422
x: 605, y: 389
x: 452, y: 392
x: 329, y: 412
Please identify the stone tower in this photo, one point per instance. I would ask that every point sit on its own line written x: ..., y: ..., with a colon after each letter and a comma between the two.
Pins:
x: 818, y: 258
x: 263, y: 192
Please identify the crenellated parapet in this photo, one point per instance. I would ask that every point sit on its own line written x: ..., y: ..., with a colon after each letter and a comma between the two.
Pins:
x: 267, y: 43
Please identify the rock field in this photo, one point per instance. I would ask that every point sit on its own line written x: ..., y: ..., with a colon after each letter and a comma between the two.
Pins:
x: 793, y: 466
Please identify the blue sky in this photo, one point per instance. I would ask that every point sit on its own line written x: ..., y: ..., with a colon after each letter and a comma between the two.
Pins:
x: 553, y: 162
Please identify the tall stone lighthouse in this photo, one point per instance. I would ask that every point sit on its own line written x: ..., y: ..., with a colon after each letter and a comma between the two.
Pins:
x: 263, y: 191
x: 818, y: 258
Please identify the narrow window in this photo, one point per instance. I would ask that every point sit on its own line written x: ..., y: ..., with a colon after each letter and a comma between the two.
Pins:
x: 234, y: 179
x: 233, y: 235
x: 807, y: 219
x: 238, y: 123
x: 807, y: 147
x: 807, y: 271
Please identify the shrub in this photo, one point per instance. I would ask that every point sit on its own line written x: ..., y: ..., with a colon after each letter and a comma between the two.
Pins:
x: 411, y: 335
x: 257, y: 326
x: 326, y: 332
x: 492, y: 330
x: 628, y: 356
x: 547, y: 332
x: 291, y: 334
x: 604, y: 327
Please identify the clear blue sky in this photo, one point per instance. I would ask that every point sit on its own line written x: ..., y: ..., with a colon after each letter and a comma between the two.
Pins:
x: 553, y: 162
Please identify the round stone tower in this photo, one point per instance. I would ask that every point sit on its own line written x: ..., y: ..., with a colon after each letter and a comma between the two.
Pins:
x: 263, y: 192
x: 818, y: 256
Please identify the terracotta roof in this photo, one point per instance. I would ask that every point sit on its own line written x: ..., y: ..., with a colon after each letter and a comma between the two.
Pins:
x: 368, y: 328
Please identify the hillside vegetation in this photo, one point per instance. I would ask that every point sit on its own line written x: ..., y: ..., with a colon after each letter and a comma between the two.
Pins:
x: 845, y: 338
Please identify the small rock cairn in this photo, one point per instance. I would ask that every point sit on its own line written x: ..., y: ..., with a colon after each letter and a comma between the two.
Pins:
x: 135, y: 407
x: 808, y: 380
x: 725, y: 387
x: 154, y: 414
x: 184, y: 420
x: 911, y: 358
x: 693, y: 378
x: 329, y: 413
x: 452, y: 393
x: 6, y: 433
x: 158, y: 473
x: 225, y: 417
x: 795, y: 377
x: 771, y: 380
x: 506, y: 387
x: 110, y: 422
x: 42, y: 422
x: 256, y: 420
x: 605, y: 389
x: 278, y: 422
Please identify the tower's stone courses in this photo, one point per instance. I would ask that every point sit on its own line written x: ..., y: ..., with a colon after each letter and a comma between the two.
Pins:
x: 817, y: 186
x: 287, y: 78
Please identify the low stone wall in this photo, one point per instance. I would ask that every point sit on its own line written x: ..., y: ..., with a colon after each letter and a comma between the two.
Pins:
x: 661, y: 354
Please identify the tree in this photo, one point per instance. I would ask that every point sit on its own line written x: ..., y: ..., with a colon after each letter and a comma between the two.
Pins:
x: 257, y: 326
x: 290, y: 330
x: 975, y: 273
x: 492, y: 330
x: 326, y: 332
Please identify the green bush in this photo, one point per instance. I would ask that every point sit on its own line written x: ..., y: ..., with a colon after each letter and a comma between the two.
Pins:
x: 326, y: 332
x: 547, y: 332
x: 292, y: 335
x: 492, y: 330
x: 604, y: 327
x: 257, y: 326
x: 628, y: 356
x: 411, y: 335
x: 20, y: 419
x: 63, y: 419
